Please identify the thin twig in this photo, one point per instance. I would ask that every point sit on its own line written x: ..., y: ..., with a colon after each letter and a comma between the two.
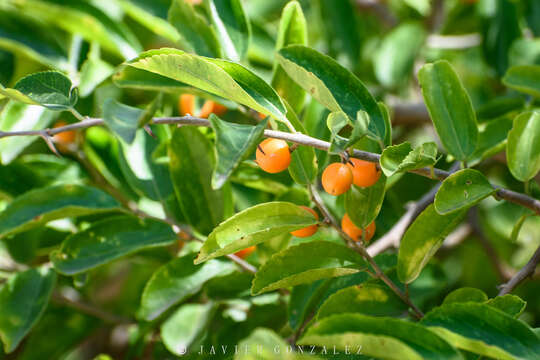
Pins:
x: 525, y: 272
x: 302, y: 139
x: 90, y: 310
x: 359, y: 248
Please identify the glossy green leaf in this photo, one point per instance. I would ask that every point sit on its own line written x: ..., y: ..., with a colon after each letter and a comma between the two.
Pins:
x: 252, y: 226
x: 23, y: 299
x: 364, y: 204
x: 524, y: 78
x: 195, y: 32
x: 422, y: 239
x: 130, y: 77
x: 220, y: 77
x: 264, y: 344
x: 379, y: 337
x: 465, y: 294
x: 523, y: 146
x: 70, y: 15
x: 511, y: 304
x: 39, y: 206
x: 402, y: 157
x: 462, y: 190
x: 306, y: 263
x: 108, y: 240
x: 49, y: 88
x: 185, y: 326
x: 393, y: 62
x: 191, y: 165
x: 93, y: 72
x: 332, y: 85
x: 152, y: 14
x: 231, y: 26
x: 368, y: 298
x: 483, y: 330
x: 176, y: 281
x: 292, y: 30
x: 234, y: 143
x: 16, y: 116
x: 450, y: 108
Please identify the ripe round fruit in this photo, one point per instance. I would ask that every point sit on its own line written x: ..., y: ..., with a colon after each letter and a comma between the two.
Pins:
x: 354, y: 231
x: 244, y: 253
x: 365, y: 173
x: 273, y: 155
x: 66, y: 137
x: 309, y: 230
x: 212, y: 107
x: 337, y: 179
x: 186, y: 104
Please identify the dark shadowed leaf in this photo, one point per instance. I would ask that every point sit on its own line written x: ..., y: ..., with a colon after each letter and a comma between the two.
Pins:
x: 462, y: 190
x: 234, y: 143
x: 306, y: 263
x: 465, y: 294
x: 122, y: 119
x: 40, y: 206
x: 23, y: 299
x: 108, y: 240
x: 252, y: 226
x: 450, y: 108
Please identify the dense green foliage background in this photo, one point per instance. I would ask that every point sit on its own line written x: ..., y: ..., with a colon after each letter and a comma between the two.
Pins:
x: 117, y: 246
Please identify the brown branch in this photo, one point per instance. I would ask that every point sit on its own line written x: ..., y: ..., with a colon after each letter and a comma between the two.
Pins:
x: 525, y: 272
x: 298, y: 138
x: 359, y: 248
x: 90, y: 310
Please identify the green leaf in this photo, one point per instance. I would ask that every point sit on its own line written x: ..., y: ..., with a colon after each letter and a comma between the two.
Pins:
x: 450, y: 108
x: 364, y: 204
x: 462, y: 190
x: 86, y: 20
x: 234, y: 143
x: 465, y: 294
x: 176, y: 281
x: 185, y: 326
x: 191, y: 164
x: 402, y: 157
x: 264, y: 344
x: 332, y: 85
x: 491, y: 139
x: 152, y: 14
x: 524, y: 78
x: 337, y: 120
x: 23, y: 299
x: 39, y: 206
x: 511, y: 304
x: 292, y: 30
x: 130, y: 77
x: 108, y: 240
x: 196, y: 34
x: 483, y: 330
x: 50, y: 89
x: 93, y: 72
x: 368, y: 298
x: 306, y: 263
x: 393, y: 62
x: 252, y: 226
x: 17, y: 116
x: 379, y: 337
x: 231, y: 26
x: 422, y: 239
x: 219, y: 77
x: 523, y: 147
x: 122, y: 119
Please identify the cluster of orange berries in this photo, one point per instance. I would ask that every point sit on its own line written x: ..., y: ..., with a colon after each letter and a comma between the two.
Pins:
x: 273, y: 156
x: 187, y: 106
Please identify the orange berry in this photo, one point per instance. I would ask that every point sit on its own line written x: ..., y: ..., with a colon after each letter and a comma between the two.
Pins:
x: 309, y: 230
x: 354, y: 231
x: 210, y: 107
x: 244, y: 253
x: 186, y: 104
x: 365, y: 173
x: 261, y: 116
x: 273, y: 155
x: 337, y: 179
x: 66, y: 137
